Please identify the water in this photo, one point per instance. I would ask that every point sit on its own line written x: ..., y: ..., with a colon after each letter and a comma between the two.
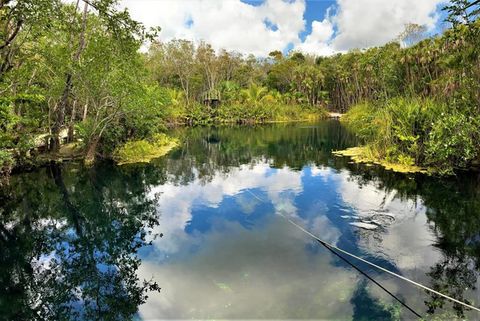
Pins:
x: 203, y: 224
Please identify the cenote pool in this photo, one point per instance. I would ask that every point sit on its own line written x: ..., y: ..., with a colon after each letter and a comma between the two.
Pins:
x: 204, y: 225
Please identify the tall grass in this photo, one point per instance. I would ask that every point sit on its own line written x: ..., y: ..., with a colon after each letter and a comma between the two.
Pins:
x: 414, y: 131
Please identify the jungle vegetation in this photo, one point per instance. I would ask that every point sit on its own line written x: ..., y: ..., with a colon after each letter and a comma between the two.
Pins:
x: 75, y: 73
x: 422, y: 108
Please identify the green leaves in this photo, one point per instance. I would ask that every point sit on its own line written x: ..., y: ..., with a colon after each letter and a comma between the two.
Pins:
x: 462, y: 11
x: 418, y: 132
x: 454, y: 141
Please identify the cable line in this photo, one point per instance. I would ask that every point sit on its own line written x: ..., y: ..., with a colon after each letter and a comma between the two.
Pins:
x: 331, y: 246
x: 370, y: 278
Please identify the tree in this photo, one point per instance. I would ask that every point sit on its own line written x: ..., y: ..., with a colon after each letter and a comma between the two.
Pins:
x: 16, y: 16
x: 412, y: 34
x: 462, y: 11
x: 276, y: 55
x: 71, y: 253
x: 64, y: 99
x: 117, y: 24
x: 179, y: 57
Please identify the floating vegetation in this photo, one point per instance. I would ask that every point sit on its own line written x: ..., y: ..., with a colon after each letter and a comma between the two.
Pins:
x: 362, y: 155
x: 143, y: 151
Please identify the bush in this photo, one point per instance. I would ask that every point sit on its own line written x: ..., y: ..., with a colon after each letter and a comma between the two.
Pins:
x: 413, y: 131
x: 360, y: 120
x: 454, y: 141
x: 264, y: 112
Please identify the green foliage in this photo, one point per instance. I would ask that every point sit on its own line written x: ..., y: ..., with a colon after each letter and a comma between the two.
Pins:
x: 360, y: 119
x: 82, y: 69
x: 6, y: 162
x: 144, y: 150
x: 462, y: 11
x: 106, y: 220
x: 454, y: 141
x: 436, y: 124
x: 417, y: 132
x: 7, y: 116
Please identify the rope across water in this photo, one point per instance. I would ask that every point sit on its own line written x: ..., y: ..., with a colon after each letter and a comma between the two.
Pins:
x: 331, y: 246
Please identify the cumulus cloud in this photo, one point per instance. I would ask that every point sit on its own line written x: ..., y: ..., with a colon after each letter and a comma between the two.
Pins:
x: 369, y: 23
x: 277, y: 24
x: 177, y: 201
x: 409, y: 239
x: 241, y: 273
x: 233, y: 25
x: 318, y: 41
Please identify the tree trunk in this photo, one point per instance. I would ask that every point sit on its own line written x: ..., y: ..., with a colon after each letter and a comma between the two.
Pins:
x: 76, y: 216
x: 85, y: 111
x: 71, y: 127
x: 60, y: 115
x: 91, y: 151
x: 62, y: 106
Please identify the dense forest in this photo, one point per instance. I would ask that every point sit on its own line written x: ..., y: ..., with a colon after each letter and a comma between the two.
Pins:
x: 85, y: 79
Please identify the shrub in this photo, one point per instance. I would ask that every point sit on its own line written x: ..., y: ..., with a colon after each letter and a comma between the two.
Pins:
x: 454, y: 141
x: 360, y: 120
x: 409, y: 131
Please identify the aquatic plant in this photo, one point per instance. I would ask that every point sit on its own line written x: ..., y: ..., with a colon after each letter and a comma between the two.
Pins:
x: 143, y: 151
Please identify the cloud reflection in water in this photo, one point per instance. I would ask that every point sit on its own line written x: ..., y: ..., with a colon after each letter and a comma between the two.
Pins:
x: 226, y: 254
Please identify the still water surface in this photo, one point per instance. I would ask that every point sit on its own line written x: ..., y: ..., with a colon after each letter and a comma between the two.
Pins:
x: 204, y: 225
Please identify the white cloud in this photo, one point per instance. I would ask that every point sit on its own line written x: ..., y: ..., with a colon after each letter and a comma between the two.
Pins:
x: 231, y: 24
x: 408, y: 241
x: 238, y: 272
x: 318, y: 41
x: 277, y: 24
x: 260, y: 273
x: 369, y: 23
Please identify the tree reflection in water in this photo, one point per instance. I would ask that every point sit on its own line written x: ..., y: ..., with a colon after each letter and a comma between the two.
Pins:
x: 69, y: 245
x: 69, y: 235
x: 453, y: 204
x: 453, y: 211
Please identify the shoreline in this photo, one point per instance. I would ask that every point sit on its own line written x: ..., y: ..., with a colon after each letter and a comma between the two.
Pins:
x: 71, y: 152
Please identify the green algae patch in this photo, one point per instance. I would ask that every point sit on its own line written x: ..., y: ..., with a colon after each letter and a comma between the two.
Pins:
x: 143, y: 151
x: 363, y: 154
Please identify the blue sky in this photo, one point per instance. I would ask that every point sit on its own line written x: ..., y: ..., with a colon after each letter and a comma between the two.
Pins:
x: 315, y: 10
x: 319, y: 27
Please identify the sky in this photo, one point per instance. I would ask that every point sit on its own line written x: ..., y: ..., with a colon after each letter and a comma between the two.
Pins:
x: 320, y: 27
